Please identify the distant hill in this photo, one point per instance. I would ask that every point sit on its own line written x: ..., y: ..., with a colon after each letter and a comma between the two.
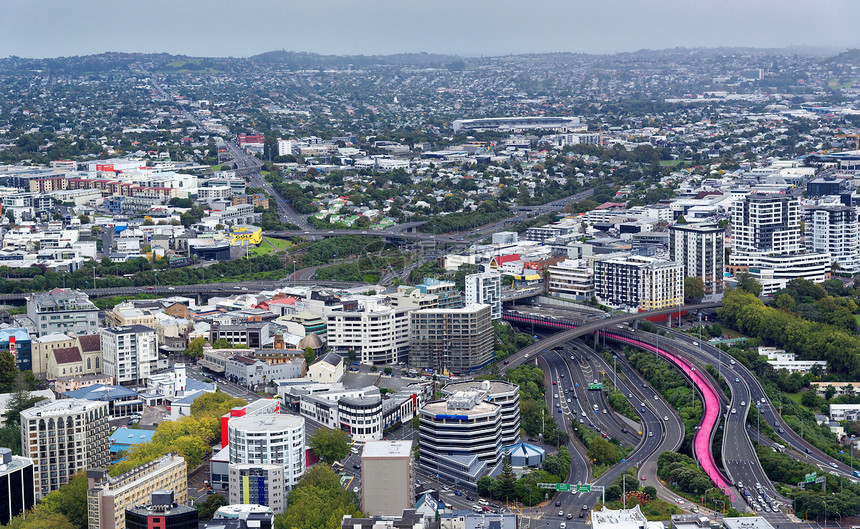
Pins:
x: 302, y: 60
x: 850, y: 56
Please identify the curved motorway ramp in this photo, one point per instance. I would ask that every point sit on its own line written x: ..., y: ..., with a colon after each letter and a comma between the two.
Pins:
x: 702, y: 441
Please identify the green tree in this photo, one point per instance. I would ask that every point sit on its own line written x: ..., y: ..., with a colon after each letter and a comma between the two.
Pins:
x: 70, y: 500
x: 39, y: 518
x: 318, y: 502
x: 694, y: 289
x: 84, y: 219
x: 8, y: 372
x: 330, y: 445
x: 784, y: 301
x: 603, y: 452
x: 310, y: 355
x: 195, y: 348
x: 748, y: 283
x: 506, y: 480
x: 206, y: 509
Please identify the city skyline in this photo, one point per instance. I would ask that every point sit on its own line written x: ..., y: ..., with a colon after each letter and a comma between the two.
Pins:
x: 222, y: 29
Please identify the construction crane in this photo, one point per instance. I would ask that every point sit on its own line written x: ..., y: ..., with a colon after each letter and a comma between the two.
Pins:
x: 856, y: 139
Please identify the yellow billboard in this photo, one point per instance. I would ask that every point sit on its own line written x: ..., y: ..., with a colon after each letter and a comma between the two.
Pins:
x: 254, y: 235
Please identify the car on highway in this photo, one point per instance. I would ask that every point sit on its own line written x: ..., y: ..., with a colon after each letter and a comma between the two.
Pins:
x: 561, y: 513
x: 665, y: 417
x: 737, y: 379
x: 458, y: 493
x: 569, y: 400
x: 554, y: 382
x: 743, y: 403
x: 558, y: 503
x: 630, y: 396
x: 833, y: 465
x: 604, y: 411
x: 559, y: 410
x: 650, y: 434
x: 734, y: 410
x: 569, y: 516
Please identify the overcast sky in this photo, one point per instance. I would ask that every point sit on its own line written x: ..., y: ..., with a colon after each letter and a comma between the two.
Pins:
x: 51, y: 28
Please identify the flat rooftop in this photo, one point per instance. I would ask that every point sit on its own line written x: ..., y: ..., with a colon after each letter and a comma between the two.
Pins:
x: 267, y: 423
x: 383, y: 449
x: 441, y: 410
x: 496, y: 387
x: 749, y: 522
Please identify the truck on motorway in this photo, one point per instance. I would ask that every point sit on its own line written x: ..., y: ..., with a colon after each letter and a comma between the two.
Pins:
x: 779, y: 447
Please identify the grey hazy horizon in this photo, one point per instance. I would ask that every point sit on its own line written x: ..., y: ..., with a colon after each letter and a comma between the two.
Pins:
x: 218, y: 28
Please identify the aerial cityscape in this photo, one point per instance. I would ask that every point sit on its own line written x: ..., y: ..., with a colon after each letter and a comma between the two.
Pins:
x: 557, y: 284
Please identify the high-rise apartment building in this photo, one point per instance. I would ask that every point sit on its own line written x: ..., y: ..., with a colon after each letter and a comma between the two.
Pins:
x: 63, y: 311
x: 387, y: 477
x: 452, y: 340
x: 767, y: 242
x: 377, y: 332
x: 639, y: 282
x: 129, y: 353
x: 486, y: 288
x: 269, y: 440
x: 108, y: 498
x: 64, y: 437
x: 17, y: 485
x: 701, y: 249
x: 834, y: 230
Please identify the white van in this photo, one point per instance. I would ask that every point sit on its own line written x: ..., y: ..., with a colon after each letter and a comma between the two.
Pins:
x: 482, y: 501
x: 477, y: 509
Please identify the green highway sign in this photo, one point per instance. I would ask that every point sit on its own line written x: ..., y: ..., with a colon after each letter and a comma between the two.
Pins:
x: 583, y: 488
x: 810, y: 478
x: 598, y: 385
x: 558, y: 487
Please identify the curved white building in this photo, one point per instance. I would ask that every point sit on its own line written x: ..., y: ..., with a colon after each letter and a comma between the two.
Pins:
x: 269, y: 440
x: 499, y: 392
x: 361, y: 417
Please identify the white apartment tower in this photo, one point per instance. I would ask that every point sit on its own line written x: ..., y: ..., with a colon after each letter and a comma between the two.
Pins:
x: 766, y: 224
x: 378, y: 333
x: 129, y: 353
x: 637, y: 282
x: 486, y: 288
x: 64, y: 437
x: 701, y: 249
x: 767, y: 242
x: 834, y: 230
x: 269, y: 440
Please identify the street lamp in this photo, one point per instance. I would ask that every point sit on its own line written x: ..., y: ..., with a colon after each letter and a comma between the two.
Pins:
x: 842, y: 453
x: 758, y: 422
x: 614, y: 370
